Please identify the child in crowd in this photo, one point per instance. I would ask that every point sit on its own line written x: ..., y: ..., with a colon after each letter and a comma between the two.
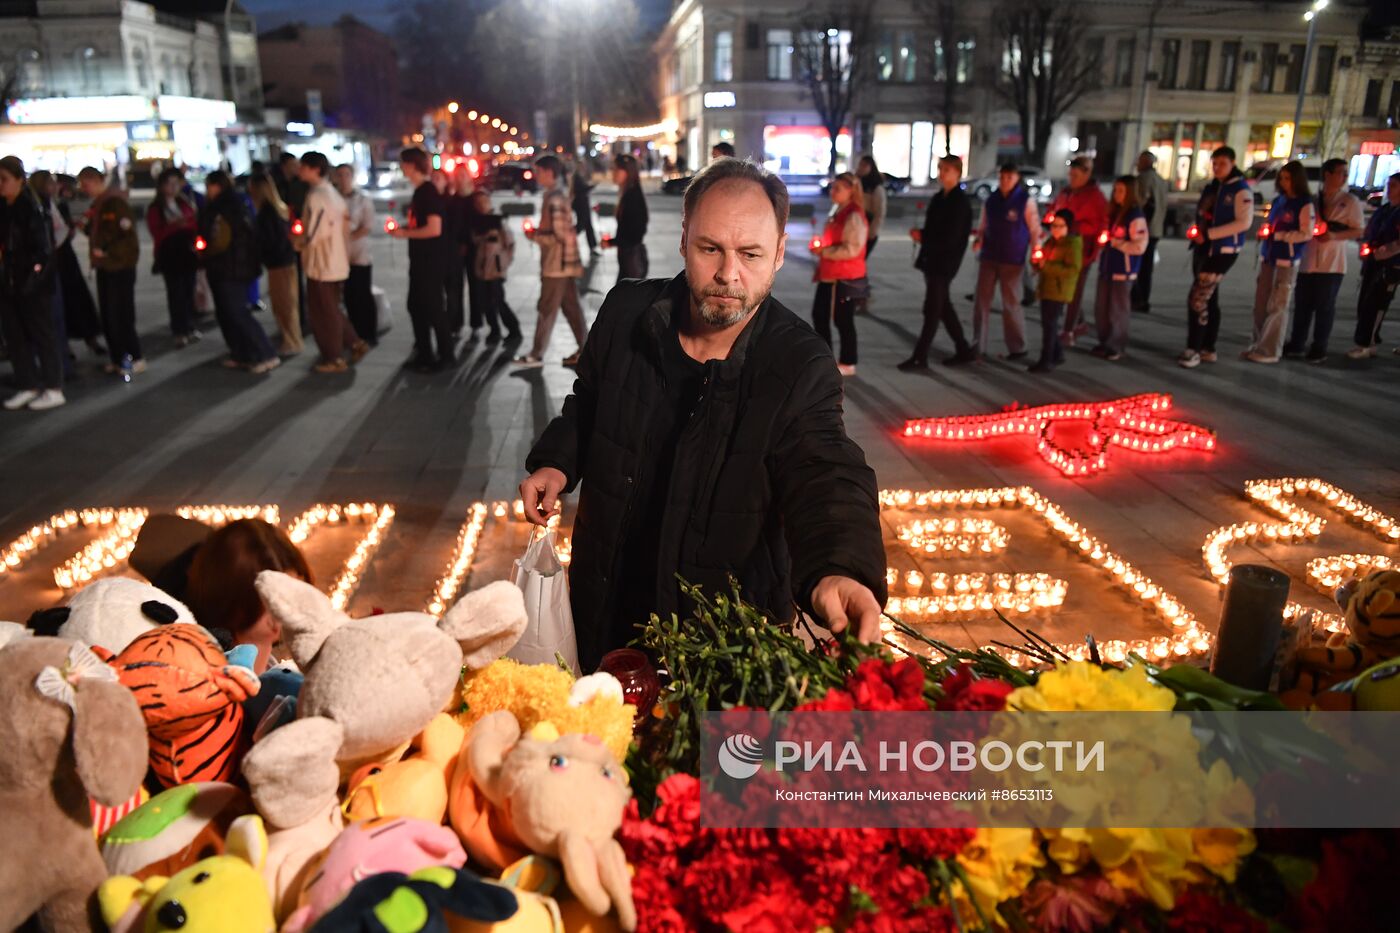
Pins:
x: 1060, y: 263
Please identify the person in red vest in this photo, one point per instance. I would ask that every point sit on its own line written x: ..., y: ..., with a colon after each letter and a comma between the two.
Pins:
x: 1090, y: 209
x: 840, y: 275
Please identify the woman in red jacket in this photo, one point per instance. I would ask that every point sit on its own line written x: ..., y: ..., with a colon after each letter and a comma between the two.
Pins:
x: 840, y: 275
x: 173, y: 225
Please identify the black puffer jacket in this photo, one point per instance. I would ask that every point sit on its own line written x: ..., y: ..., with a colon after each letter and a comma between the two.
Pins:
x: 26, y: 247
x: 765, y: 485
x: 947, y: 226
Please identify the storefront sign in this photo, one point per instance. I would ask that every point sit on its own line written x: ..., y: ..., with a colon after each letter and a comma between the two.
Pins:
x: 215, y: 113
x: 1377, y: 147
x: 1282, y: 146
x: 717, y: 100
x: 120, y: 109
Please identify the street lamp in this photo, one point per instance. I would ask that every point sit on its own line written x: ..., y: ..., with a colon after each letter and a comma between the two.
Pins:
x: 471, y: 114
x: 1311, y: 18
x: 453, y: 107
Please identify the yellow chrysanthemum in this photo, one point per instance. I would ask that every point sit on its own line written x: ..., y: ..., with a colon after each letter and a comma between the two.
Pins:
x: 1079, y: 685
x: 999, y: 864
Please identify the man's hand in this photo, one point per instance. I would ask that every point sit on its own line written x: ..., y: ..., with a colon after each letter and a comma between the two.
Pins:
x: 540, y: 493
x: 842, y: 602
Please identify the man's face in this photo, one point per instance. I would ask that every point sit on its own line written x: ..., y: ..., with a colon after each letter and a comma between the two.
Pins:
x: 1335, y: 179
x: 344, y: 179
x: 90, y: 186
x: 948, y: 176
x: 1006, y: 181
x: 1144, y: 162
x: 732, y: 249
x: 212, y: 190
x: 546, y: 176
x: 309, y: 174
x: 1220, y: 167
x: 291, y: 168
x: 1078, y: 177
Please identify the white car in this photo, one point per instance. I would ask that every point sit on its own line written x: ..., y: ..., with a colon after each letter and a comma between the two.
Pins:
x: 1034, y: 178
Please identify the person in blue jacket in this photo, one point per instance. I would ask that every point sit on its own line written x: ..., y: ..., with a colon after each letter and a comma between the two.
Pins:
x: 1123, y: 242
x: 1223, y: 217
x: 1380, y: 271
x: 1282, y: 239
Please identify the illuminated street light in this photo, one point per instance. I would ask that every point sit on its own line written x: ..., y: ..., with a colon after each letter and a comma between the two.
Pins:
x: 1310, y: 17
x: 471, y: 114
x: 485, y: 118
x: 495, y: 124
x: 513, y: 131
x: 453, y: 107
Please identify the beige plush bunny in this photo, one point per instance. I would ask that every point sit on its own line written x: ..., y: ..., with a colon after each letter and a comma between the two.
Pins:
x: 564, y: 796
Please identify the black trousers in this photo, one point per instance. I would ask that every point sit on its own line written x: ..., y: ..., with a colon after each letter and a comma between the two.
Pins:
x: 632, y: 262
x: 1314, y: 309
x: 454, y: 284
x: 826, y: 306
x: 359, y: 303
x: 116, y: 298
x: 1203, y: 306
x: 179, y: 300
x: 583, y: 223
x: 1142, y: 287
x: 491, y: 295
x: 1377, y: 289
x: 476, y: 310
x: 28, y: 325
x: 938, y: 309
x: 427, y: 311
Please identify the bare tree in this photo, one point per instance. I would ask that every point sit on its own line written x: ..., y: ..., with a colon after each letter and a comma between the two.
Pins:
x: 1048, y: 65
x: 831, y: 53
x: 941, y: 16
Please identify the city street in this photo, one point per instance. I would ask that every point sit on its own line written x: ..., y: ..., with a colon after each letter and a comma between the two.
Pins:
x: 191, y: 432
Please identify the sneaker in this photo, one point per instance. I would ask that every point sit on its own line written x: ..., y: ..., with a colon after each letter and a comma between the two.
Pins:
x: 181, y: 342
x: 1256, y: 357
x: 138, y: 366
x: 49, y: 398
x: 326, y: 366
x: 846, y: 369
x: 1113, y: 356
x: 20, y: 399
x: 912, y: 365
x: 1361, y: 353
x: 358, y: 351
x: 528, y: 359
x: 194, y: 336
x: 266, y: 366
x: 1292, y: 353
x: 1208, y: 356
x: 962, y: 358
x: 96, y: 347
x: 570, y: 362
x: 227, y: 363
x: 1316, y: 358
x: 1189, y: 360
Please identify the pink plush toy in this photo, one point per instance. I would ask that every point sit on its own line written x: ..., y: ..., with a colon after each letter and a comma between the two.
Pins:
x: 371, y: 847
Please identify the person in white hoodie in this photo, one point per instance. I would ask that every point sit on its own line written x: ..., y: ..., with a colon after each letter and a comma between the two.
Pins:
x: 325, y: 255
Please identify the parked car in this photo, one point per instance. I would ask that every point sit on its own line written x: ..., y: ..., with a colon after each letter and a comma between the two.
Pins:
x: 1263, y: 181
x: 1035, y: 179
x: 386, y: 175
x: 513, y: 176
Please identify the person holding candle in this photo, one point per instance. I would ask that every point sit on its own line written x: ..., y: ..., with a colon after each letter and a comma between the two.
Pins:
x: 114, y: 251
x: 231, y: 261
x: 705, y: 434
x: 279, y: 258
x: 1339, y: 219
x: 560, y: 265
x: 1008, y: 230
x: 1283, y: 239
x: 840, y: 274
x: 1061, y: 262
x: 326, y: 258
x: 1223, y: 216
x: 942, y: 245
x: 1380, y: 271
x: 360, y: 305
x: 172, y: 222
x: 631, y: 220
x: 1124, y: 240
x: 1086, y: 201
x: 427, y: 265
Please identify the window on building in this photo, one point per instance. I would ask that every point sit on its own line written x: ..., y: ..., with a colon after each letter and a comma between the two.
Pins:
x: 1171, y: 59
x: 907, y: 61
x: 962, y: 72
x: 1093, y: 52
x: 780, y: 55
x: 28, y: 68
x: 1229, y: 66
x: 1323, y: 67
x: 884, y: 57
x: 940, y: 60
x: 1198, y: 65
x: 1268, y: 64
x: 724, y: 56
x: 1371, y: 107
x: 1123, y: 62
x: 87, y: 66
x: 895, y: 57
x: 823, y: 52
x: 1293, y: 77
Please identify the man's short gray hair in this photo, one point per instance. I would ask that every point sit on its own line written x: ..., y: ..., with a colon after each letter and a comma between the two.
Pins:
x: 729, y: 169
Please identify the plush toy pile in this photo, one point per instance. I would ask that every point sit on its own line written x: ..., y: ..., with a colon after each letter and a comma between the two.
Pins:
x: 149, y: 783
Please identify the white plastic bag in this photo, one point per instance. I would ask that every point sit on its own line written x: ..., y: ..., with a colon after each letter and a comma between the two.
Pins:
x: 550, y: 631
x: 384, y: 308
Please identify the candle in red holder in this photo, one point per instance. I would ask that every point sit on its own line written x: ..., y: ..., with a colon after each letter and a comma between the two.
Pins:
x: 1038, y: 255
x: 640, y: 685
x: 1320, y: 228
x: 1365, y: 250
x: 529, y: 226
x: 1103, y: 238
x: 390, y: 225
x: 1192, y: 232
x: 816, y: 243
x: 297, y: 228
x: 1265, y: 232
x: 200, y: 244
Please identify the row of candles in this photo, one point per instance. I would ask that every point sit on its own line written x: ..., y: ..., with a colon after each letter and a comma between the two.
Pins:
x: 953, y: 537
x: 1125, y: 423
x: 348, y: 581
x: 1277, y: 496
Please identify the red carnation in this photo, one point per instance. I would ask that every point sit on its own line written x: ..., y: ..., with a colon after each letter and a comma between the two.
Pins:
x: 964, y: 691
x: 931, y: 844
x: 881, y: 686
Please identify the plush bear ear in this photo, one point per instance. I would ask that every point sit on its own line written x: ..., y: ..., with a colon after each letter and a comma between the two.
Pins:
x: 247, y: 839
x: 48, y: 621
x: 487, y: 623
x: 304, y: 612
x: 109, y: 740
x: 292, y: 773
x: 491, y: 738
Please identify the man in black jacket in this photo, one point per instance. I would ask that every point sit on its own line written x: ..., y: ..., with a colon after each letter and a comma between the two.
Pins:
x: 942, y: 244
x: 705, y: 427
x: 26, y: 293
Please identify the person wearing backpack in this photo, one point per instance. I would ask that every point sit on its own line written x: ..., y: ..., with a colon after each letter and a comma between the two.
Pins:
x: 231, y: 261
x: 493, y: 250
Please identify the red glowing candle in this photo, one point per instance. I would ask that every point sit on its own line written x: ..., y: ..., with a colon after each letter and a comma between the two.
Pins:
x: 816, y: 243
x: 297, y: 227
x: 1192, y: 232
x: 1103, y: 238
x: 529, y: 226
x: 1037, y: 255
x: 200, y: 244
x: 390, y: 225
x: 1365, y: 250
x: 1320, y: 228
x: 1266, y: 231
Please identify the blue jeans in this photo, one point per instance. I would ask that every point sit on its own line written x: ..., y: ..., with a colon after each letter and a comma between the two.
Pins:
x: 1315, y: 309
x: 1052, y: 351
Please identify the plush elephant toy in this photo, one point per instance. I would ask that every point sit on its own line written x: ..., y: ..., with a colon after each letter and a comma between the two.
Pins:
x: 69, y: 731
x: 565, y: 796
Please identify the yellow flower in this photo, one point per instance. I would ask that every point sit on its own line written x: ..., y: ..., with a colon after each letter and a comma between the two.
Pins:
x: 1079, y: 685
x: 999, y: 864
x: 1220, y: 851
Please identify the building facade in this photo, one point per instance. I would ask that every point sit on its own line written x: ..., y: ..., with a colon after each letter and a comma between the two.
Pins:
x: 129, y: 85
x: 1178, y: 78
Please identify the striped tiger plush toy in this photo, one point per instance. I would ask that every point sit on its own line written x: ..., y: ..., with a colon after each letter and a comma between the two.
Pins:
x: 1372, y: 635
x: 192, y: 700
